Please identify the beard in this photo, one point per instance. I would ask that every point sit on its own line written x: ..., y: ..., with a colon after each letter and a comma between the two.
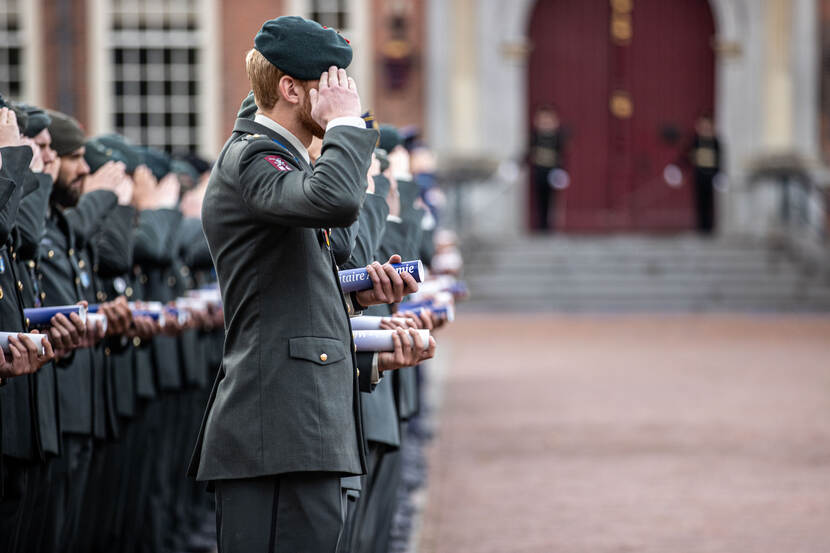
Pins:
x: 307, y: 121
x: 67, y: 195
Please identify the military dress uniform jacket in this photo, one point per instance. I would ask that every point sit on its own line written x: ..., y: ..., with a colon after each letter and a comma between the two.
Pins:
x: 59, y: 277
x: 15, y: 406
x: 30, y: 227
x: 287, y: 398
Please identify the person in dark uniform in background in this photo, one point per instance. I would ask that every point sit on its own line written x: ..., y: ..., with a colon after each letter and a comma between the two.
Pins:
x: 545, y: 155
x: 705, y: 157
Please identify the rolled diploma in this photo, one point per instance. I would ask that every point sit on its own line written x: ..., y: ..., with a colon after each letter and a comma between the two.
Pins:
x: 355, y: 280
x: 36, y: 338
x: 445, y: 311
x: 381, y: 340
x: 42, y: 316
x: 369, y: 322
x: 92, y: 318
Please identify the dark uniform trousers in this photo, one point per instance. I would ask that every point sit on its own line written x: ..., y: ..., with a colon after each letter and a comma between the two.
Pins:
x: 307, y: 513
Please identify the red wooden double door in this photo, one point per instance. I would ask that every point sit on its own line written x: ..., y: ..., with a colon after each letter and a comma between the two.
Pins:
x: 628, y: 78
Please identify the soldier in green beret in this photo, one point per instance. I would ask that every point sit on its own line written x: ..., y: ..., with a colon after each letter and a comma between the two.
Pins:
x: 276, y: 463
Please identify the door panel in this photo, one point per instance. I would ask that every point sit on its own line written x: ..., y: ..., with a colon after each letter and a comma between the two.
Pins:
x: 665, y: 69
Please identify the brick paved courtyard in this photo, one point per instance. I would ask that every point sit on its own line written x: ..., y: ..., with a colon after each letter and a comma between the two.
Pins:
x: 669, y: 434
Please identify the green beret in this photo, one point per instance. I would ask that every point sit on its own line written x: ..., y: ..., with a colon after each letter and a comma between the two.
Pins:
x: 302, y: 48
x: 390, y: 138
x: 156, y: 160
x: 129, y: 154
x: 182, y: 167
x: 36, y: 120
x: 248, y: 108
x: 97, y: 154
x: 383, y: 158
x: 67, y: 134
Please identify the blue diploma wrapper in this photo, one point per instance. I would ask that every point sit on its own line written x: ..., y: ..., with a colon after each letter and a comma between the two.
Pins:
x: 40, y: 317
x: 36, y: 338
x: 381, y: 340
x: 368, y: 322
x: 355, y: 280
x: 442, y: 311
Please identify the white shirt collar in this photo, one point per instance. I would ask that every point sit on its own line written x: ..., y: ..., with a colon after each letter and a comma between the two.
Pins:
x: 293, y: 140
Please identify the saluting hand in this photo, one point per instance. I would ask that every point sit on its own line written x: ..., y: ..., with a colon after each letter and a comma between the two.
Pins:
x: 107, y: 177
x: 36, y: 165
x: 9, y: 131
x: 144, y: 189
x: 336, y: 96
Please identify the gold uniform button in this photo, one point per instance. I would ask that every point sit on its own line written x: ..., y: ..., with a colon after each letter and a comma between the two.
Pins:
x: 1, y: 292
x: 107, y: 351
x: 71, y: 252
x: 27, y: 322
x: 31, y: 264
x: 136, y: 341
x: 77, y: 281
x: 185, y: 271
x: 81, y: 264
x: 323, y: 357
x: 101, y: 296
x: 143, y: 279
x: 14, y: 255
x: 43, y: 295
x: 51, y: 253
x: 171, y: 281
x: 128, y: 292
x: 358, y: 373
x: 19, y: 285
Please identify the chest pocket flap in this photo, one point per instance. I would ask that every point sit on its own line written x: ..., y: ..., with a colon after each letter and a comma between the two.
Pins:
x: 323, y: 351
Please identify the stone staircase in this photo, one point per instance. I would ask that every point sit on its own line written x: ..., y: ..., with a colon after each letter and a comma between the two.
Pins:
x: 640, y: 274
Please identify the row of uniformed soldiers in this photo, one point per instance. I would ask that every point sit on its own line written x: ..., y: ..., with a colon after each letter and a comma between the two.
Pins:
x: 95, y: 430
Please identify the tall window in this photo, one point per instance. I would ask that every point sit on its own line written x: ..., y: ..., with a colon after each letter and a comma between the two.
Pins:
x: 331, y: 13
x: 11, y: 49
x: 155, y: 49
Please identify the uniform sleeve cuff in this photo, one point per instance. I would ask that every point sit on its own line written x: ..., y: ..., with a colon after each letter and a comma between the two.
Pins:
x: 346, y: 122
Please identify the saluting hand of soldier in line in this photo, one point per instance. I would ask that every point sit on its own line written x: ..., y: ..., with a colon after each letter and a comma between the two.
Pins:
x: 393, y: 198
x: 408, y: 351
x: 167, y: 192
x: 9, y: 131
x: 388, y: 286
x: 107, y: 177
x: 36, y: 165
x: 124, y: 190
x: 336, y: 96
x: 144, y: 188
